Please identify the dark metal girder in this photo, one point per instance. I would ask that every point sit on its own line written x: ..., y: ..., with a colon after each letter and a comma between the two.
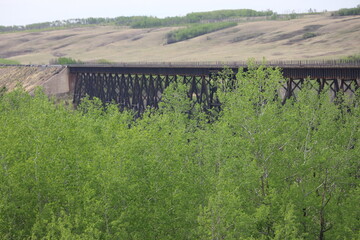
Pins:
x: 147, y: 70
x: 323, y: 73
x: 289, y: 72
x: 139, y: 87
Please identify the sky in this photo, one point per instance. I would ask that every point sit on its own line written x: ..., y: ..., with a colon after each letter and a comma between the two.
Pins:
x: 22, y: 12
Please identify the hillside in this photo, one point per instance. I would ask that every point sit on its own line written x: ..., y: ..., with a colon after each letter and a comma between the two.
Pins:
x: 309, y: 37
x: 27, y: 77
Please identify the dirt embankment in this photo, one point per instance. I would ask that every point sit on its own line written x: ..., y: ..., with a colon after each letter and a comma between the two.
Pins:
x: 27, y: 77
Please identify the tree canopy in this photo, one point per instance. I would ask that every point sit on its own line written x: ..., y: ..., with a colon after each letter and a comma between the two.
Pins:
x: 259, y: 170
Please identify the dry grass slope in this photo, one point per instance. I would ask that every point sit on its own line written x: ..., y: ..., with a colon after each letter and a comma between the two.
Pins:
x: 27, y: 77
x: 275, y: 40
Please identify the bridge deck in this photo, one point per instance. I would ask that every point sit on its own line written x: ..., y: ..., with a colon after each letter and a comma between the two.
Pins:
x: 293, y: 69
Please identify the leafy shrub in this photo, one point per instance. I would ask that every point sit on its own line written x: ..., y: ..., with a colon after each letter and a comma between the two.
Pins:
x: 3, y: 90
x: 104, y: 61
x: 65, y: 61
x: 355, y: 57
x: 196, y: 30
x: 293, y: 15
x: 309, y: 35
x: 274, y: 16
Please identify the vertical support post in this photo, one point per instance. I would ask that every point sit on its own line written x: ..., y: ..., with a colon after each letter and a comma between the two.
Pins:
x: 288, y: 90
x: 335, y: 88
x: 76, y: 79
x: 321, y: 83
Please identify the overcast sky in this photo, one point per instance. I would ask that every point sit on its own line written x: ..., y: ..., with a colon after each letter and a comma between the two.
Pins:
x: 21, y: 12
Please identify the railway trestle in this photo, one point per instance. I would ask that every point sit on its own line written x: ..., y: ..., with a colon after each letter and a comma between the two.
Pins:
x: 136, y: 86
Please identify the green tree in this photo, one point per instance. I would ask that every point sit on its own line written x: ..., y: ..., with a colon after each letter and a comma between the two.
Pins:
x: 260, y: 170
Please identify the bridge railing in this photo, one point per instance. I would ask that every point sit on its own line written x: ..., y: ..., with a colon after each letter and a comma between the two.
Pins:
x: 212, y: 64
x: 235, y: 64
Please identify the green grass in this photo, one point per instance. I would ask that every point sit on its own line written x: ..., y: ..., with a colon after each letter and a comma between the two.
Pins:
x: 354, y: 57
x: 104, y: 61
x: 65, y: 61
x: 196, y: 30
x: 8, y: 61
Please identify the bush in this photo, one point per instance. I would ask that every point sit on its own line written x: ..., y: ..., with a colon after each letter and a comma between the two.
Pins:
x: 309, y: 35
x: 3, y: 90
x: 65, y: 61
x: 104, y: 61
x: 8, y: 61
x: 355, y: 57
x: 196, y: 30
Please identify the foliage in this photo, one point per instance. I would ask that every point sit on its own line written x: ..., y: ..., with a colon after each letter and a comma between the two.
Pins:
x: 198, y: 17
x: 286, y: 17
x: 8, y: 61
x: 196, y: 30
x: 347, y: 11
x: 262, y: 170
x: 225, y: 14
x: 354, y: 57
x: 141, y: 21
x: 149, y: 22
x: 58, y: 24
x: 103, y: 61
x: 293, y: 15
x: 309, y: 35
x: 65, y: 61
x: 3, y: 90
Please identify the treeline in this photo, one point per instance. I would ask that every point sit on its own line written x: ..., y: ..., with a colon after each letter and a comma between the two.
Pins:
x: 142, y: 21
x: 226, y: 14
x: 196, y: 30
x: 348, y: 11
x: 149, y: 22
x: 258, y: 170
x: 58, y: 24
x: 199, y: 17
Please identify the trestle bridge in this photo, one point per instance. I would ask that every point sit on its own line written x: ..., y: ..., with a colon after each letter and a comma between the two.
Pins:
x: 140, y: 85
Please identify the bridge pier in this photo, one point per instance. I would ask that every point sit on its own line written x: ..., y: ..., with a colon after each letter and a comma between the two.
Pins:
x: 60, y: 84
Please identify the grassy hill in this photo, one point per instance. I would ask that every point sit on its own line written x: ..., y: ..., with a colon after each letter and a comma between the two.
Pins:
x: 318, y: 36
